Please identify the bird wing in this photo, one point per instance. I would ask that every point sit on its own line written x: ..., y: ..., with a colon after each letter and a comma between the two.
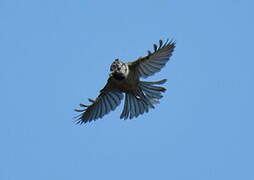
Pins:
x: 108, y: 99
x: 154, y: 61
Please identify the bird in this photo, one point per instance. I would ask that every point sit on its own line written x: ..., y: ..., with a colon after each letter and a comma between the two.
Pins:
x: 125, y: 79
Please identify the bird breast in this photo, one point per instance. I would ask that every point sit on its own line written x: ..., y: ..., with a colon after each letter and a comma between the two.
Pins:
x: 126, y: 82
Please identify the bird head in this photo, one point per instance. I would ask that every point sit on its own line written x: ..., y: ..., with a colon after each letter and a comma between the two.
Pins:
x: 118, y: 69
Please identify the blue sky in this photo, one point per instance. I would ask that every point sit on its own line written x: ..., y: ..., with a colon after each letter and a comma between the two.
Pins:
x: 56, y: 54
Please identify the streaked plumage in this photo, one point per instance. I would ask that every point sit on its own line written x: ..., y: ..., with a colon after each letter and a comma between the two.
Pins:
x: 140, y: 96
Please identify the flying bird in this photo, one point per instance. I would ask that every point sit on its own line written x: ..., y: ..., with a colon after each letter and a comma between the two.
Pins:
x: 124, y: 78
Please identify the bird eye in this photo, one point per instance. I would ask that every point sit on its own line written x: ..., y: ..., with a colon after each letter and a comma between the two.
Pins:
x: 113, y: 66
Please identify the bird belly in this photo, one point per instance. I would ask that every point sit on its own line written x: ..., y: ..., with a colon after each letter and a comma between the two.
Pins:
x: 128, y: 84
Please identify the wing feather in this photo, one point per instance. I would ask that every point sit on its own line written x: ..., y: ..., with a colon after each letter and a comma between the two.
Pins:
x: 125, y: 109
x: 104, y: 103
x: 154, y: 62
x: 132, y: 107
x: 137, y: 107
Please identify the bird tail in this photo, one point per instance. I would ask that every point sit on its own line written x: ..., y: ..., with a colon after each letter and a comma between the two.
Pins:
x: 147, y: 95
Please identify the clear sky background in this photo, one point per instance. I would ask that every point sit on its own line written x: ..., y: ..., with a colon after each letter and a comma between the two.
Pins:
x: 56, y: 54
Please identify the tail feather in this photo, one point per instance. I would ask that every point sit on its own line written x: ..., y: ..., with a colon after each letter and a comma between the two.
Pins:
x: 146, y: 97
x: 125, y: 112
x: 151, y: 93
x: 155, y: 82
x: 133, y: 107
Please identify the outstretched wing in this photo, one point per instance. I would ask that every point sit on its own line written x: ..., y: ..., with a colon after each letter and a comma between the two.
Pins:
x: 154, y: 61
x: 107, y: 101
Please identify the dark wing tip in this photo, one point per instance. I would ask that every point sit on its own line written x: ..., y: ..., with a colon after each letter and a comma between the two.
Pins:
x: 82, y: 118
x: 168, y: 43
x: 155, y: 47
x: 160, y: 43
x: 171, y: 42
x: 149, y: 53
x: 78, y: 119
